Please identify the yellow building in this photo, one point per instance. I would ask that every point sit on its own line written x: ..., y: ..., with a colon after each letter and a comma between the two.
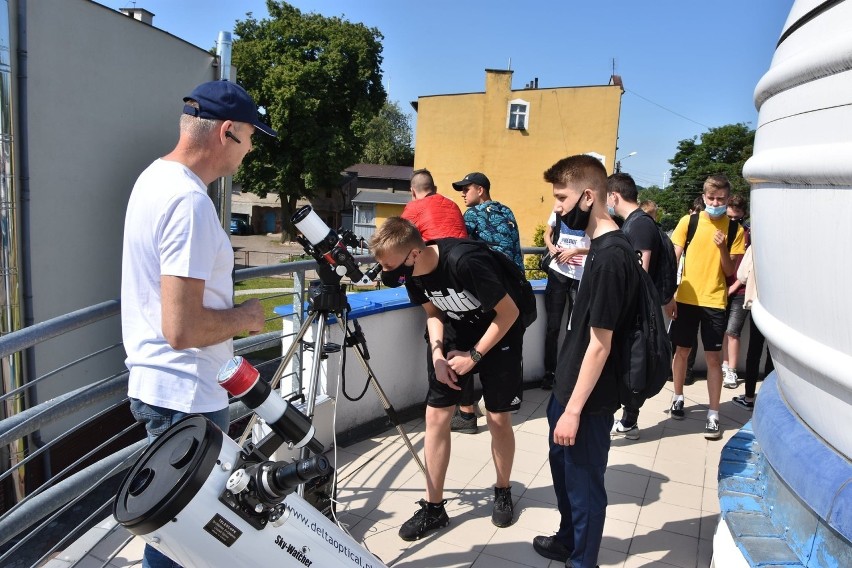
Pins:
x: 512, y: 136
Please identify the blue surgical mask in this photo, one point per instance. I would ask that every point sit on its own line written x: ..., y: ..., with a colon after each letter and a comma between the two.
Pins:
x: 610, y: 210
x: 716, y: 211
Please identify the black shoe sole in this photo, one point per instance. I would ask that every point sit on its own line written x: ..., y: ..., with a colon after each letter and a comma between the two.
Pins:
x: 502, y: 526
x: 425, y: 533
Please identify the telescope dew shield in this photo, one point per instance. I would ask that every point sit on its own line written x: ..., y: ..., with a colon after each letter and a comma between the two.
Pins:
x: 314, y: 229
x: 242, y: 380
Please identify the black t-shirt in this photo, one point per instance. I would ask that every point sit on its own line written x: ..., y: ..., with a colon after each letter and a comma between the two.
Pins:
x: 643, y: 234
x: 607, y: 299
x: 466, y: 293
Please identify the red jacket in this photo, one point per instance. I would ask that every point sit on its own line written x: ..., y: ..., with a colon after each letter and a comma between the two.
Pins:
x: 436, y: 217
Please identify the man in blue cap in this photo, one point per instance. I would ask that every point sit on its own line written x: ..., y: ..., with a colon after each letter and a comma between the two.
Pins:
x: 177, y: 312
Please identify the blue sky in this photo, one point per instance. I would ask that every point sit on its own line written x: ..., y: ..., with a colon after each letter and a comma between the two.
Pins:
x: 686, y: 64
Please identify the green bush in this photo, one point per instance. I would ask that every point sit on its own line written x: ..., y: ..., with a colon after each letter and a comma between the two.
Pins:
x: 532, y: 261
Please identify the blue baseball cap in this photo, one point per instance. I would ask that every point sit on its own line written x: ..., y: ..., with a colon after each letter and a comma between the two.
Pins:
x: 224, y: 100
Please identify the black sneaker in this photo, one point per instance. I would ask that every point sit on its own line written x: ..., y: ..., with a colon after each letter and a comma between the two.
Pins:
x: 423, y: 521
x: 743, y: 402
x: 464, y: 425
x: 549, y: 547
x: 689, y: 378
x: 547, y: 381
x: 676, y: 411
x: 712, y: 430
x: 504, y: 509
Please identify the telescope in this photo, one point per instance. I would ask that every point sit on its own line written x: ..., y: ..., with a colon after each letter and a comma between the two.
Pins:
x: 326, y: 246
x: 202, y: 500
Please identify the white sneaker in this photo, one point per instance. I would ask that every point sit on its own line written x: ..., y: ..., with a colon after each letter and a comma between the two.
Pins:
x: 619, y: 431
x: 730, y: 380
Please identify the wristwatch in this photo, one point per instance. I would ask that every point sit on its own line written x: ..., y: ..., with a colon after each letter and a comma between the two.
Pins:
x: 475, y: 355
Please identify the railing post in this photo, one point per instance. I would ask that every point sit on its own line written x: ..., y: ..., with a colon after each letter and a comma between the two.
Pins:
x: 299, y: 318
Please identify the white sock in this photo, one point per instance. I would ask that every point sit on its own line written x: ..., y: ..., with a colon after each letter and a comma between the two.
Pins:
x: 724, y: 365
x: 713, y: 415
x: 677, y: 397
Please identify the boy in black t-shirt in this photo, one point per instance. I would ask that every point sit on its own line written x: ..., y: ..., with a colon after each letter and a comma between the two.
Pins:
x: 585, y: 393
x: 641, y: 230
x: 486, y: 337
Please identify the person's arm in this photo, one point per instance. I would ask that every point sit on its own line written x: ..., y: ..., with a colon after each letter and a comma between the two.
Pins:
x: 646, y: 259
x: 187, y: 323
x: 506, y: 312
x: 567, y: 254
x: 435, y: 329
x: 600, y: 343
x: 670, y: 309
x: 548, y: 240
x: 728, y: 260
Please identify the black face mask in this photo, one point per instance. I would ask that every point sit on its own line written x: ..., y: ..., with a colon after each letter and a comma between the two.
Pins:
x: 577, y: 219
x: 397, y: 277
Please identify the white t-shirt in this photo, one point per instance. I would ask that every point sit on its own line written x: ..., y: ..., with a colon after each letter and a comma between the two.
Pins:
x: 570, y: 239
x: 171, y: 228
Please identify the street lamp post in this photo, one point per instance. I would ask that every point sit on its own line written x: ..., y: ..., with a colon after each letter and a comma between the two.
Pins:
x: 618, y: 162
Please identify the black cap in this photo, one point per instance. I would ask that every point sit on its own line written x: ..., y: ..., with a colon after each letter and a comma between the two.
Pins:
x: 474, y: 177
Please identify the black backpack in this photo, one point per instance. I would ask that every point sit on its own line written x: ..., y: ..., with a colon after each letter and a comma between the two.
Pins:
x: 664, y: 267
x: 514, y: 275
x: 647, y: 355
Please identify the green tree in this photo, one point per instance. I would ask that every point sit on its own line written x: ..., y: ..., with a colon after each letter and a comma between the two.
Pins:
x: 721, y: 150
x: 532, y: 261
x: 670, y: 205
x: 319, y: 82
x: 387, y: 138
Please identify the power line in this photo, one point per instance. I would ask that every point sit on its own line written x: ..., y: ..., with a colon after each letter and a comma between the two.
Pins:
x: 667, y: 109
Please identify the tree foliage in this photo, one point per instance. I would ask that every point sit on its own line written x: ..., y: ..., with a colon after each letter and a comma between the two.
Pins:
x: 721, y: 150
x: 387, y: 138
x: 670, y: 205
x: 319, y: 81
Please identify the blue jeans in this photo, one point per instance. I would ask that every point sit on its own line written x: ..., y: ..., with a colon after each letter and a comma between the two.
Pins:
x: 157, y: 420
x: 578, y: 480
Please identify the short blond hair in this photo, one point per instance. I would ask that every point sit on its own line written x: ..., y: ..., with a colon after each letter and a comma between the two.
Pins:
x: 395, y: 234
x: 717, y: 181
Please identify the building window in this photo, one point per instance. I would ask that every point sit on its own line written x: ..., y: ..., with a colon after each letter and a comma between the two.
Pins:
x: 364, y: 224
x: 519, y: 115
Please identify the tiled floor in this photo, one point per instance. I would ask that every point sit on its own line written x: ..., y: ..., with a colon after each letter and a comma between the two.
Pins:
x: 662, y: 509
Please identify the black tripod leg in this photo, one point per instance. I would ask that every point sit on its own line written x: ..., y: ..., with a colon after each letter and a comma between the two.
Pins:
x: 389, y: 409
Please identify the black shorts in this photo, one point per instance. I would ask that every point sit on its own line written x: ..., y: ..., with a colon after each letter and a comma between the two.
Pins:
x: 500, y: 372
x: 684, y: 329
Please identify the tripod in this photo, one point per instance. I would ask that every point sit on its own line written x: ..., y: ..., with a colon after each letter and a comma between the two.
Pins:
x: 328, y: 297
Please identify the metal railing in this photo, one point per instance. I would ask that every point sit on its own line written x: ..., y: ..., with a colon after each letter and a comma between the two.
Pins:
x: 69, y: 502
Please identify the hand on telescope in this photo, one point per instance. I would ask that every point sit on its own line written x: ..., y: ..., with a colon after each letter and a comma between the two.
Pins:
x: 253, y: 315
x: 445, y: 374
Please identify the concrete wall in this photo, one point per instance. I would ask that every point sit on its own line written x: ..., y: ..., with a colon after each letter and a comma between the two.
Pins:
x: 458, y: 134
x: 104, y: 94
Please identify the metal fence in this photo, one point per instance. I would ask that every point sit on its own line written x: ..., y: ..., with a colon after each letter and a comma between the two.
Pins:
x: 43, y: 521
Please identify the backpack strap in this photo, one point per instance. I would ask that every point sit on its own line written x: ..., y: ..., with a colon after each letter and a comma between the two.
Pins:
x: 732, y: 233
x: 690, y: 231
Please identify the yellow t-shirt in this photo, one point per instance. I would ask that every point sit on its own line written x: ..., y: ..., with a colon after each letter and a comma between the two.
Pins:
x: 703, y: 282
